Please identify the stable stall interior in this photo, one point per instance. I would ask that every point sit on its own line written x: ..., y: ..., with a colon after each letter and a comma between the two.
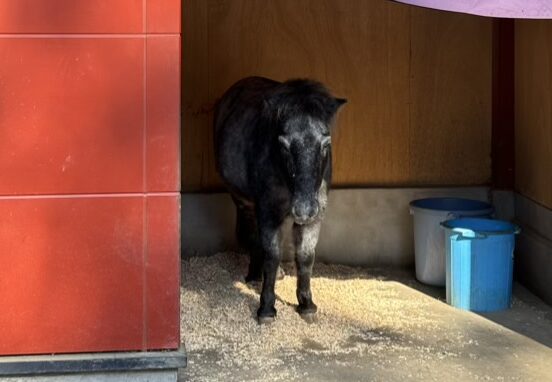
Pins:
x: 440, y: 103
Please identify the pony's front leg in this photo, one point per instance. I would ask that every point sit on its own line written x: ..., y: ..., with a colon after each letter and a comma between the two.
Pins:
x: 272, y: 255
x: 305, y: 240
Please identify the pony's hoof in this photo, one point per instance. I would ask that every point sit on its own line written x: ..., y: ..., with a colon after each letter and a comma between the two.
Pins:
x: 266, y: 315
x: 265, y: 320
x: 305, y: 309
x: 309, y: 318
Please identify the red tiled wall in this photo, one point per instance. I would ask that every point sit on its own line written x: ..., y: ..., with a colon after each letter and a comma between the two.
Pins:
x: 89, y: 175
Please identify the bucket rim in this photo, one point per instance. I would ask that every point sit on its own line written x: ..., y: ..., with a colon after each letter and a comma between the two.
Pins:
x: 477, y: 208
x: 478, y: 204
x: 513, y: 229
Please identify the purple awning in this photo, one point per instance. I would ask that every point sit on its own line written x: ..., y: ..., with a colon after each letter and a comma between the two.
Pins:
x: 520, y: 9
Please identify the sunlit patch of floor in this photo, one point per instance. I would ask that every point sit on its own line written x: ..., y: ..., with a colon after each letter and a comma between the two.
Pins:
x: 371, y: 325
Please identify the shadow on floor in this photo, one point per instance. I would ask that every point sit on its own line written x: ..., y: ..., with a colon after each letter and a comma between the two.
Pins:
x: 528, y: 316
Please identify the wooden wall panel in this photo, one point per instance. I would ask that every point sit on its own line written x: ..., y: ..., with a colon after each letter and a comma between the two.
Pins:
x: 534, y: 110
x: 196, y: 122
x: 451, y: 83
x: 362, y: 50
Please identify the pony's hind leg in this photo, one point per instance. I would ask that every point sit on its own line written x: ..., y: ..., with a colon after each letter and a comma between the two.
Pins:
x: 247, y: 236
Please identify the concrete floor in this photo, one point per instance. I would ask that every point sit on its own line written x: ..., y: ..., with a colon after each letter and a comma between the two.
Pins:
x: 453, y: 345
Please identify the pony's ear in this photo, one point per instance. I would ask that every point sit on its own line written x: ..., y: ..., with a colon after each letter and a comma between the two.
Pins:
x: 340, y: 102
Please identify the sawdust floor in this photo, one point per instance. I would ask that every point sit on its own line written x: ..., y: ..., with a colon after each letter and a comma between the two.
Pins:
x: 372, y: 325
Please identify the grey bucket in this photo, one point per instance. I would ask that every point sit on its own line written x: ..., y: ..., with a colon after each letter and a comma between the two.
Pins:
x: 429, y: 238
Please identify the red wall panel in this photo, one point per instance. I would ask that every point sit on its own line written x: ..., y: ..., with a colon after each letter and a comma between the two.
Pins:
x: 71, y: 274
x: 163, y: 16
x: 72, y: 115
x: 94, y: 273
x: 72, y: 16
x: 163, y: 113
x: 163, y: 272
x: 89, y: 175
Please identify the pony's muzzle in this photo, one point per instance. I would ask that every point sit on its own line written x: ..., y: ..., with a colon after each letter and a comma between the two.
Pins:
x: 305, y: 212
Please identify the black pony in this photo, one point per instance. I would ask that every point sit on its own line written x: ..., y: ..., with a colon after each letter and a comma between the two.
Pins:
x: 273, y: 151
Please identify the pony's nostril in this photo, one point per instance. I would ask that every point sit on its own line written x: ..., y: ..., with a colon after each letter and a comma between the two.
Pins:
x: 314, y: 211
x: 299, y: 213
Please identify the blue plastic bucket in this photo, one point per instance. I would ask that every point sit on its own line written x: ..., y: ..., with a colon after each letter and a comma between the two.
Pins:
x: 429, y: 241
x: 479, y: 263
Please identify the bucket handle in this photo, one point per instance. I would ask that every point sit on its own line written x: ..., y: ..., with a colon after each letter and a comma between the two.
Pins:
x: 461, y: 236
x: 477, y: 236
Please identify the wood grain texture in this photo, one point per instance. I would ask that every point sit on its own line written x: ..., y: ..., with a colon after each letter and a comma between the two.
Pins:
x: 534, y: 110
x: 503, y: 115
x: 405, y: 122
x: 196, y: 123
x: 451, y: 83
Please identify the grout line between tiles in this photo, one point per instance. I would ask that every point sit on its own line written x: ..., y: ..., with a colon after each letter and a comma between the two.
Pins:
x: 145, y: 183
x: 82, y: 35
x: 77, y: 196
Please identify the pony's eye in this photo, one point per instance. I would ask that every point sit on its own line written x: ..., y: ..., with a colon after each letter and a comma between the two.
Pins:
x: 284, y: 141
x: 326, y: 141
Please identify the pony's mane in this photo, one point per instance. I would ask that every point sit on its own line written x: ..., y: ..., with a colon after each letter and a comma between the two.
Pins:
x: 303, y: 97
